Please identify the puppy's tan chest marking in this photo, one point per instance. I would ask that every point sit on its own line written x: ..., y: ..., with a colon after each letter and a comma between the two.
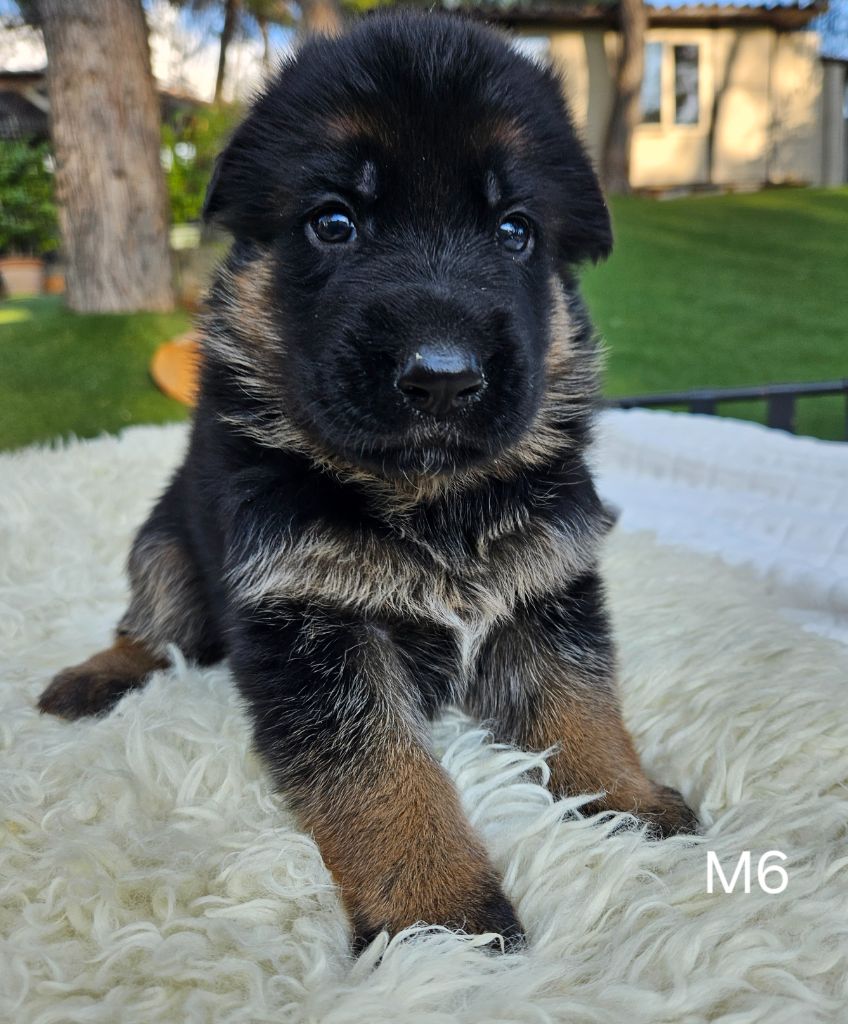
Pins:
x: 356, y: 572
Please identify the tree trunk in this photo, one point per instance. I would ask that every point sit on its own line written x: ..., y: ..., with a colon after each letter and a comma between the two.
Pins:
x: 104, y: 113
x: 615, y: 166
x: 231, y: 13
x: 718, y: 101
x: 322, y: 16
x: 262, y: 22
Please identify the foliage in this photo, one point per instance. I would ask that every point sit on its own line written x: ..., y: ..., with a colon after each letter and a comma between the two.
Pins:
x: 278, y: 12
x: 354, y: 7
x: 192, y: 143
x: 27, y: 211
x: 241, y: 18
x: 253, y: 14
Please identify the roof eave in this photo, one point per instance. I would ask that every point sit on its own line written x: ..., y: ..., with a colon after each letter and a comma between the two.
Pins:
x: 579, y: 16
x: 785, y: 18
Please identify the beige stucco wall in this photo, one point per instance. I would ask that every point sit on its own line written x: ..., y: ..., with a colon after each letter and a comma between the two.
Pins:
x: 586, y: 61
x: 764, y: 86
x: 797, y: 110
x: 739, y: 100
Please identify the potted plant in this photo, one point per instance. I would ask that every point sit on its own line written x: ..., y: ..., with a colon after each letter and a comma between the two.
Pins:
x: 27, y: 215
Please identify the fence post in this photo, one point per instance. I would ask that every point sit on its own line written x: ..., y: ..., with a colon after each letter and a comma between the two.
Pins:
x: 780, y: 411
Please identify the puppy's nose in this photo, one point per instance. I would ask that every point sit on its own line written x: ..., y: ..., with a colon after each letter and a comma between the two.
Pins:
x: 437, y: 380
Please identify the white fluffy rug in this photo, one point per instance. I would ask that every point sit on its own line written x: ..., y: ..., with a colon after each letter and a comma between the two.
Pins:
x: 757, y: 497
x: 149, y: 874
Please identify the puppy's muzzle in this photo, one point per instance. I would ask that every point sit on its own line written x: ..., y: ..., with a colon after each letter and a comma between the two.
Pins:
x: 440, y: 379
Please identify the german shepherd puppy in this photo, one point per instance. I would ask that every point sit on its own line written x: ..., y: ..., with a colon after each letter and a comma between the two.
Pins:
x: 385, y: 506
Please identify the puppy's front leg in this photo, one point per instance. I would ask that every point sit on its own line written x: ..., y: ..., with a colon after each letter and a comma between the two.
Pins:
x: 339, y: 725
x: 548, y: 679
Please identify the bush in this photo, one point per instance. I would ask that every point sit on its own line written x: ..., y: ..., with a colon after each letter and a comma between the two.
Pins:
x: 189, y: 148
x: 27, y: 211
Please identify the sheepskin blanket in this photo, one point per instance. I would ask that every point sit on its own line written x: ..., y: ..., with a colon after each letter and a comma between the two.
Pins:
x: 148, y: 872
x: 757, y: 497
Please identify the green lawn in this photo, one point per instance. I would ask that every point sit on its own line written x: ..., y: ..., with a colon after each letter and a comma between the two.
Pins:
x: 68, y: 373
x: 728, y: 290
x: 720, y: 290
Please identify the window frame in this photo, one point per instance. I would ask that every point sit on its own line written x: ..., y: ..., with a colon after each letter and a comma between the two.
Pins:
x: 656, y: 43
x: 698, y: 79
x: 668, y: 101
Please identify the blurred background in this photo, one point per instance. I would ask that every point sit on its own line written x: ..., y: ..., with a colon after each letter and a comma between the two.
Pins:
x: 720, y: 131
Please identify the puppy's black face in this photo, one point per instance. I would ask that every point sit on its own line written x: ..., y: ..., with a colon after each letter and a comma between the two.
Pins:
x: 415, y: 192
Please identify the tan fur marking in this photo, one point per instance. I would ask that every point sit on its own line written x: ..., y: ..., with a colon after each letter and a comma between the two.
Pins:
x: 384, y: 813
x: 253, y: 286
x: 549, y: 701
x: 596, y: 751
x: 570, y: 386
x: 347, y: 125
x: 359, y: 573
x: 251, y: 332
x: 400, y: 848
x: 95, y: 685
x: 166, y: 606
x: 249, y: 342
x: 597, y: 754
x: 126, y: 657
x: 505, y: 132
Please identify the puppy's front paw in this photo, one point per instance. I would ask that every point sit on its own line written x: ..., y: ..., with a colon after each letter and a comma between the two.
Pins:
x: 96, y: 686
x: 668, y: 814
x: 494, y: 913
x: 484, y: 908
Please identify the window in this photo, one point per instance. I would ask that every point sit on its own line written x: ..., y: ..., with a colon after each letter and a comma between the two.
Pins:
x: 686, y: 106
x: 652, y: 84
x: 656, y: 98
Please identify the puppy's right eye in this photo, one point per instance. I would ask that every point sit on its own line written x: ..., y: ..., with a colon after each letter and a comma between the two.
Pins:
x: 333, y: 226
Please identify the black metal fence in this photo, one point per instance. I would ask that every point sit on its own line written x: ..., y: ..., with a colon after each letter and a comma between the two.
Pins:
x: 779, y: 398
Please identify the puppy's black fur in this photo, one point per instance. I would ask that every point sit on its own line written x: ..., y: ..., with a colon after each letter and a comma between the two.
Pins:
x: 385, y: 505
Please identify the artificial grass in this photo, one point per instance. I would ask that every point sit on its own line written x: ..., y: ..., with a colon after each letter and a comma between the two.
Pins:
x: 67, y: 373
x: 728, y: 290
x: 710, y: 291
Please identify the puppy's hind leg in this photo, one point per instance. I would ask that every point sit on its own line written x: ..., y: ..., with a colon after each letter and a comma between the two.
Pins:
x: 167, y: 606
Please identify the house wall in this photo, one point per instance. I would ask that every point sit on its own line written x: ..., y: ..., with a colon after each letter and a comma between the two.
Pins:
x: 586, y: 60
x: 834, y: 124
x: 740, y: 104
x: 798, y: 110
x: 760, y: 94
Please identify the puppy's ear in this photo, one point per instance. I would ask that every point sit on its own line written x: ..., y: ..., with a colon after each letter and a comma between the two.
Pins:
x: 587, y: 230
x: 214, y: 201
x: 239, y: 195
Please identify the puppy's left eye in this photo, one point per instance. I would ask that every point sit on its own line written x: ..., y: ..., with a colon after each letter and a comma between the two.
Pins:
x: 333, y: 226
x: 514, y: 233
